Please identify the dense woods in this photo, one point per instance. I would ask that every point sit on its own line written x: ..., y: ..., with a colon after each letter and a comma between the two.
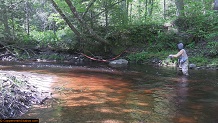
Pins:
x: 108, y: 27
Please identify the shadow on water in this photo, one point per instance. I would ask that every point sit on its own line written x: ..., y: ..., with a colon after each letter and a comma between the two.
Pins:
x: 136, y: 94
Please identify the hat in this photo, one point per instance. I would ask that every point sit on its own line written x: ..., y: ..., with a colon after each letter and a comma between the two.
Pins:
x: 180, y: 46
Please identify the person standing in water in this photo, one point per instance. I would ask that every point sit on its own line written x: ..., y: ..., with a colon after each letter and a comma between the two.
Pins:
x: 183, y: 59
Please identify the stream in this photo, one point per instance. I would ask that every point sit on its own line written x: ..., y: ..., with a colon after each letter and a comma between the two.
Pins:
x: 97, y: 93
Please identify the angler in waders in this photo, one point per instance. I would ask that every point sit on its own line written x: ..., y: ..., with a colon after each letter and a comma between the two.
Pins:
x: 183, y: 59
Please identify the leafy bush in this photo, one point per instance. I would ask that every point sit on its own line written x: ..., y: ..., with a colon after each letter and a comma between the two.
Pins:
x: 213, y: 48
x: 62, y: 39
x: 147, y: 56
x: 197, y: 27
x: 164, y: 41
x: 138, y: 57
x: 152, y: 36
x: 199, y: 60
x: 44, y: 37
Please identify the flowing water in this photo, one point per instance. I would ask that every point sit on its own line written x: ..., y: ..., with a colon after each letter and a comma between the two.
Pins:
x: 96, y: 93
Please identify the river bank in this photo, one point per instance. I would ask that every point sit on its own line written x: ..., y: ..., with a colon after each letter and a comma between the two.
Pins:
x: 198, y: 58
x: 18, y: 93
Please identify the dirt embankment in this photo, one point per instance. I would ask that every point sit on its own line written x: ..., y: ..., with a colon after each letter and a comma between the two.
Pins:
x: 18, y: 94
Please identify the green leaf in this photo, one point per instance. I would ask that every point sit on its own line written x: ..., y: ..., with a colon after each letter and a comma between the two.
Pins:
x: 80, y: 8
x: 1, y: 35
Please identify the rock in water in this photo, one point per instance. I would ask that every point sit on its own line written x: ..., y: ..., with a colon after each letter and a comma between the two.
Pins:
x: 192, y: 66
x: 118, y: 63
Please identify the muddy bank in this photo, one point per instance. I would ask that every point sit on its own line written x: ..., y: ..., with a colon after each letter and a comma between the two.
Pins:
x: 18, y: 93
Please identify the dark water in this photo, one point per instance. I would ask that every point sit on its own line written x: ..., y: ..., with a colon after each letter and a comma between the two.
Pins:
x: 96, y: 93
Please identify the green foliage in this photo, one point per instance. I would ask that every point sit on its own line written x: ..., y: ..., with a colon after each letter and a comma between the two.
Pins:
x: 138, y: 57
x: 152, y: 36
x: 44, y: 37
x: 198, y: 27
x: 145, y: 56
x: 197, y: 8
x: 57, y: 19
x: 164, y: 41
x: 66, y: 39
x: 62, y: 39
x: 214, y: 62
x: 199, y: 60
x: 2, y: 35
x: 213, y: 48
x: 191, y: 45
x: 126, y: 24
x: 202, y: 60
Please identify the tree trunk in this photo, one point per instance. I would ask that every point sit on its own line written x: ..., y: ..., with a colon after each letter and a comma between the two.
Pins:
x: 180, y: 7
x: 146, y: 8
x: 91, y: 21
x: 106, y: 15
x: 13, y: 23
x: 139, y: 9
x: 130, y: 13
x: 151, y: 4
x: 27, y: 17
x: 5, y: 20
x: 66, y: 19
x: 125, y: 12
x: 215, y: 4
x: 164, y: 14
x: 83, y: 24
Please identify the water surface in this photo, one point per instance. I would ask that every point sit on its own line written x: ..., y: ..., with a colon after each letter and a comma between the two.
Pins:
x: 96, y: 93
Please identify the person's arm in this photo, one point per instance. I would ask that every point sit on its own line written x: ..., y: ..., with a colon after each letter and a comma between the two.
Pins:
x: 178, y: 54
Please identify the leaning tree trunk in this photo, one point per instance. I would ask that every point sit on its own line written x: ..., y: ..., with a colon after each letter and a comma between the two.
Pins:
x: 66, y: 19
x: 83, y: 24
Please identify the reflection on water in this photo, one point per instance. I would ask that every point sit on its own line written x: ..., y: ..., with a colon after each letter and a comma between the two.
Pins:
x: 137, y: 94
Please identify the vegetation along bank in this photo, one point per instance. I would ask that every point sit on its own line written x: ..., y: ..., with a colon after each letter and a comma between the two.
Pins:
x: 141, y: 31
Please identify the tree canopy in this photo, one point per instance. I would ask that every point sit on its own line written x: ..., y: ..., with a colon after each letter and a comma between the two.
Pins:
x: 105, y: 24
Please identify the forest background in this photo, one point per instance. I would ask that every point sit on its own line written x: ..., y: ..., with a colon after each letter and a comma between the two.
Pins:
x: 140, y: 30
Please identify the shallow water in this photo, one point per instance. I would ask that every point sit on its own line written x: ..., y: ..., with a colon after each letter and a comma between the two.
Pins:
x: 96, y: 93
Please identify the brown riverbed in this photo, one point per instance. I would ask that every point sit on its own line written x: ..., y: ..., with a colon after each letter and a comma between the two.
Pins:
x: 136, y: 94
